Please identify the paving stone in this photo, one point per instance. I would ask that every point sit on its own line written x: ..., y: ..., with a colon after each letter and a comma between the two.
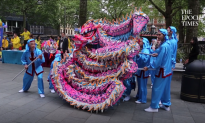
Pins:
x: 32, y: 117
x: 59, y: 114
x: 2, y: 95
x: 22, y: 101
x: 80, y: 114
x: 198, y: 117
x: 70, y: 119
x: 142, y: 116
x: 97, y: 118
x: 182, y: 119
x: 121, y: 117
x: 159, y: 120
x: 195, y: 107
x: 49, y: 107
x: 9, y: 117
x: 22, y: 110
x: 126, y: 107
x: 163, y: 115
x: 181, y: 113
x: 47, y: 121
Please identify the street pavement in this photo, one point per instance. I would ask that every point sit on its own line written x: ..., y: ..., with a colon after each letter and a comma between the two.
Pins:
x: 30, y: 108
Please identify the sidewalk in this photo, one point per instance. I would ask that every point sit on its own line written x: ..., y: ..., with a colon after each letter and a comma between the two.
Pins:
x: 29, y: 107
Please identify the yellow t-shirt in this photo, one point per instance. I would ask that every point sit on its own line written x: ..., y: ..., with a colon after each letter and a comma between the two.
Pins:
x: 5, y: 43
x: 26, y: 35
x: 16, y: 42
x: 38, y: 44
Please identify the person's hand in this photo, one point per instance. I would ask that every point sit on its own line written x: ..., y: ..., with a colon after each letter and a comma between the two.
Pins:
x: 1, y: 48
x: 153, y: 48
x: 40, y: 56
x: 26, y: 67
x: 154, y: 54
x: 145, y: 68
x: 186, y: 61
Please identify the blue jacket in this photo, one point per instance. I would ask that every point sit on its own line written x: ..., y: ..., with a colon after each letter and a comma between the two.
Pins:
x: 143, y: 60
x: 163, y: 63
x: 173, y: 43
x: 26, y: 59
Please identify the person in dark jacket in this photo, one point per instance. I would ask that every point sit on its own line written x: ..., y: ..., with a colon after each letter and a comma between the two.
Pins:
x: 194, y: 51
x: 63, y: 44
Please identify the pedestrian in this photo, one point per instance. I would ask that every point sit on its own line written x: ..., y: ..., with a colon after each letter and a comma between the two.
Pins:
x: 16, y: 42
x: 26, y: 35
x: 38, y: 41
x: 5, y: 43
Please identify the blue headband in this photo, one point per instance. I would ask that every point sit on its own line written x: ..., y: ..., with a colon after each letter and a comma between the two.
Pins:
x: 174, y: 35
x: 27, y: 47
x: 165, y: 33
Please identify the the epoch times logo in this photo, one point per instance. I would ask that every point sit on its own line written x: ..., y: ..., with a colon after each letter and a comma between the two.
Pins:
x: 188, y: 19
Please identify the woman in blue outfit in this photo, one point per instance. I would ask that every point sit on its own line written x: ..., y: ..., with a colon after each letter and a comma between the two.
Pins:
x: 28, y: 56
x: 57, y: 58
x: 163, y: 67
x: 143, y: 60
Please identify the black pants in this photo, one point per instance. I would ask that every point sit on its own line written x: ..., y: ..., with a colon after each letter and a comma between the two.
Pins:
x: 24, y: 46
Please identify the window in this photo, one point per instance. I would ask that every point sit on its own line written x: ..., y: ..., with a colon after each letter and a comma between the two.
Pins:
x: 160, y: 20
x: 151, y: 20
x: 71, y: 32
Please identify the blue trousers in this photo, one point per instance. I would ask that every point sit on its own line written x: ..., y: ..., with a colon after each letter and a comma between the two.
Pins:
x: 50, y: 83
x: 142, y: 89
x: 166, y: 98
x: 129, y: 84
x: 152, y: 72
x: 27, y: 80
x: 158, y: 90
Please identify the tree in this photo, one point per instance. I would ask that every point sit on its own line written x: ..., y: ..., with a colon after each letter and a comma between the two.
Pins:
x: 169, y: 11
x: 83, y: 12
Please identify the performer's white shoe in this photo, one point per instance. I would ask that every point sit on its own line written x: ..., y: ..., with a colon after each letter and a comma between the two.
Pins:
x: 165, y: 108
x: 160, y: 103
x: 151, y: 110
x: 138, y: 102
x: 52, y: 90
x: 127, y: 98
x: 42, y: 95
x: 21, y: 91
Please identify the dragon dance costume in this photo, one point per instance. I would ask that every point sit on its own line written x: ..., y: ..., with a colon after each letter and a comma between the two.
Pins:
x: 36, y: 68
x: 143, y: 60
x: 163, y: 67
x: 92, y: 79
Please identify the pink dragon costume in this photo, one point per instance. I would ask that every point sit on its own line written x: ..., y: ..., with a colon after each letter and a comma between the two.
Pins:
x: 92, y: 79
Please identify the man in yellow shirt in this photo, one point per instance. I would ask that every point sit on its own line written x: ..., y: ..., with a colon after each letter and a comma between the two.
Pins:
x: 16, y: 42
x: 26, y: 35
x: 5, y: 43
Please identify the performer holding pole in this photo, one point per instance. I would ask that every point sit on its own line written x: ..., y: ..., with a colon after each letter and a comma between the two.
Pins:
x: 163, y: 71
x: 142, y: 60
x: 28, y: 56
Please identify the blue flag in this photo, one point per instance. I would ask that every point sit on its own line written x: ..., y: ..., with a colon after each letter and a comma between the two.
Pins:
x: 1, y: 35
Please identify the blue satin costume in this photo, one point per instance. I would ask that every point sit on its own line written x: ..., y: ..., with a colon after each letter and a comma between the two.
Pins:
x: 173, y: 44
x: 163, y: 67
x: 33, y: 69
x: 57, y: 58
x: 142, y: 76
x: 152, y: 72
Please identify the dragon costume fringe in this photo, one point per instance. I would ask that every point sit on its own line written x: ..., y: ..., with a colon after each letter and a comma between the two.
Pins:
x: 92, y: 79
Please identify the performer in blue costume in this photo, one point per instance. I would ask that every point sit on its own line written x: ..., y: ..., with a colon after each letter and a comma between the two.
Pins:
x: 57, y: 58
x: 28, y: 56
x: 163, y: 71
x: 143, y: 60
x: 166, y: 98
x: 152, y: 49
x: 129, y: 84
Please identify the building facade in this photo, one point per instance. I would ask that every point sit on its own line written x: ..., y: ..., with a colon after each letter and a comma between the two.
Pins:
x: 68, y: 30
